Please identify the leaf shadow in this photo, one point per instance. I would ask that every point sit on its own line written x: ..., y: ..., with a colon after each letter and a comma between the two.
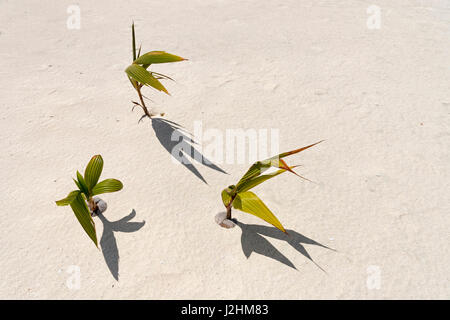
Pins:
x: 253, y: 240
x: 176, y: 141
x: 108, y: 241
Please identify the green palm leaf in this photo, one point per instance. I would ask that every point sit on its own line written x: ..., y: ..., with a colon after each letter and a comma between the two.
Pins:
x: 276, y: 161
x: 68, y: 200
x: 81, y: 211
x: 157, y: 57
x: 251, y: 183
x: 133, y: 44
x: 285, y: 154
x: 141, y: 75
x: 248, y: 202
x: 106, y: 186
x: 82, y: 184
x: 226, y: 198
x: 93, y: 171
x: 254, y: 171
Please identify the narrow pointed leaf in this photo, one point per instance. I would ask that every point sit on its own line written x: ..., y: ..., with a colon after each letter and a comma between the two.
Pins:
x: 106, y: 186
x: 78, y: 184
x: 254, y: 171
x: 161, y: 75
x: 141, y: 75
x: 157, y: 57
x: 81, y: 211
x: 134, y: 41
x: 139, y: 51
x: 82, y: 184
x: 251, y: 183
x: 276, y: 161
x: 248, y: 202
x: 68, y: 200
x: 93, y: 171
x: 285, y: 154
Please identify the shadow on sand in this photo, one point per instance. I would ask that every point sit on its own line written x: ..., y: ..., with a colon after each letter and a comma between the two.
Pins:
x: 108, y: 241
x: 174, y: 139
x: 252, y: 240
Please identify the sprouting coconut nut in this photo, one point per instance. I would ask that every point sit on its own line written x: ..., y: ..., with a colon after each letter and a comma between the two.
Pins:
x: 221, y: 220
x: 101, y: 206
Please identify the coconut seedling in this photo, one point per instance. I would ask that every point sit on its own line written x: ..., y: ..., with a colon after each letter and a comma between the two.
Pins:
x: 140, y: 76
x: 239, y: 197
x: 82, y: 200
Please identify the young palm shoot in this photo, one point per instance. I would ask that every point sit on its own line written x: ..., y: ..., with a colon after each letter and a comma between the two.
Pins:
x: 140, y: 76
x: 239, y: 197
x: 82, y: 200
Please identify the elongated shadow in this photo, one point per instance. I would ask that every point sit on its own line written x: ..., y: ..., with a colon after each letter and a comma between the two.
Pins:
x: 108, y: 241
x: 174, y: 139
x: 252, y: 240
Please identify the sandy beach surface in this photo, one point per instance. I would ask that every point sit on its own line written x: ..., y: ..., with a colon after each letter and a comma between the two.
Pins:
x: 372, y: 78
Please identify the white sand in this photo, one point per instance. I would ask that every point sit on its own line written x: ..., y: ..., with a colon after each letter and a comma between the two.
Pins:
x: 311, y: 68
